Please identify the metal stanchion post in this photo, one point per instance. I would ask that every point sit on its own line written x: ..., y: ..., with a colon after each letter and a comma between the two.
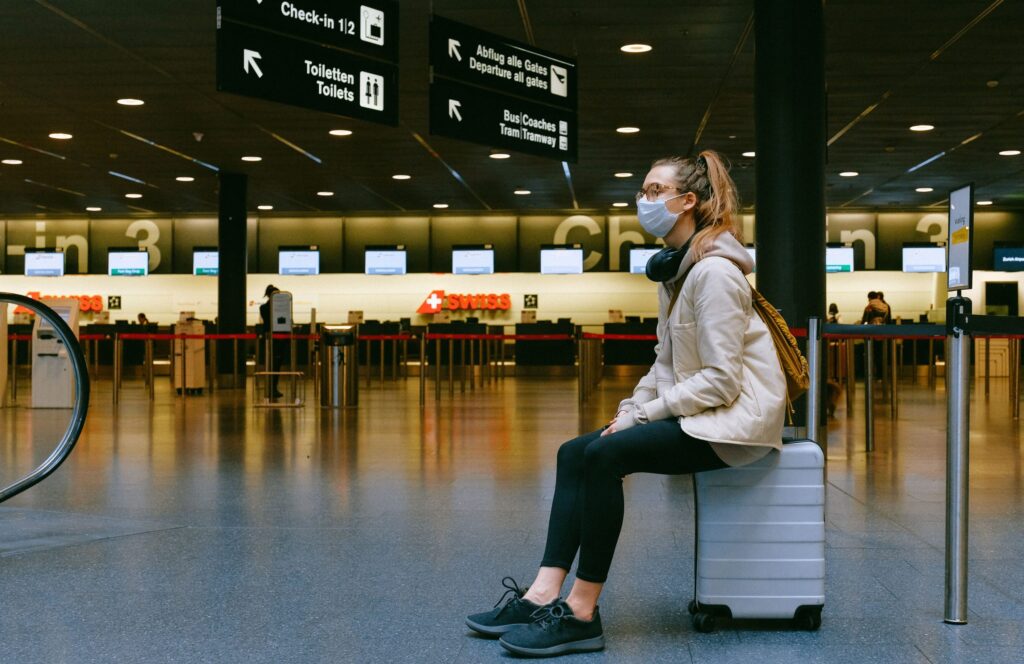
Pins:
x: 869, y: 394
x: 581, y: 374
x: 987, y: 363
x: 1015, y: 376
x: 814, y: 369
x: 851, y: 379
x: 893, y: 405
x: 184, y: 369
x: 117, y: 367
x: 931, y: 362
x: 462, y: 365
x: 381, y: 360
x: 437, y: 369
x: 14, y: 370
x: 149, y: 369
x: 234, y: 363
x: 958, y: 311
x: 423, y: 372
x: 451, y: 367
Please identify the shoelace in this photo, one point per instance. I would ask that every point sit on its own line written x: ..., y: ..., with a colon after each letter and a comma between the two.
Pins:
x: 549, y: 614
x: 514, y: 589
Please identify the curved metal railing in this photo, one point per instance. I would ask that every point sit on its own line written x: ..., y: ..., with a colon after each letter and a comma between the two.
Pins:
x: 79, y: 410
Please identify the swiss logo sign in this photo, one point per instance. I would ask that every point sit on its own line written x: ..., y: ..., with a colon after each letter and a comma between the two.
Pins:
x: 438, y: 300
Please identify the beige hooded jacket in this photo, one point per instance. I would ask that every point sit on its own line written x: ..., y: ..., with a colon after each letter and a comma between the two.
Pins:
x: 716, y: 368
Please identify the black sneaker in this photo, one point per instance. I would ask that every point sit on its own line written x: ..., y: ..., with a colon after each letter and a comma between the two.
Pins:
x: 515, y: 612
x: 555, y: 631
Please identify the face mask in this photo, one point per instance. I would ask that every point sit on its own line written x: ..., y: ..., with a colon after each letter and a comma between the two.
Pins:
x: 655, y: 217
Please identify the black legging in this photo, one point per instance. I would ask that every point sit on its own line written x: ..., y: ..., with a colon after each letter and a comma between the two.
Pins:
x: 586, y: 511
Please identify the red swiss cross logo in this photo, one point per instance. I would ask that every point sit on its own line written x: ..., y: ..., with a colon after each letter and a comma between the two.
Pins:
x: 433, y: 303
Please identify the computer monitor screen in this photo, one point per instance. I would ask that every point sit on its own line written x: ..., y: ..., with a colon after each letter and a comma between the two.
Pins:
x: 561, y: 260
x: 639, y: 254
x: 127, y: 263
x: 472, y: 259
x: 838, y: 259
x: 205, y: 261
x: 44, y: 262
x: 385, y: 259
x: 924, y: 258
x: 1008, y: 257
x: 298, y: 260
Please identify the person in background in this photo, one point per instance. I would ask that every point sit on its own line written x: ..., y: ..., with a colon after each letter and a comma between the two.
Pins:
x: 833, y: 314
x: 277, y: 346
x: 888, y: 309
x: 714, y: 397
x: 874, y: 313
x: 142, y: 319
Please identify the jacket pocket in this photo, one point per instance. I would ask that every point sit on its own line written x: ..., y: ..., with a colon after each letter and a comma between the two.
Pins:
x: 750, y: 395
x: 685, y: 356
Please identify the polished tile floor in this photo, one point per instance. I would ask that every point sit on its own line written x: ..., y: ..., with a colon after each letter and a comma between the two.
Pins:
x: 204, y: 530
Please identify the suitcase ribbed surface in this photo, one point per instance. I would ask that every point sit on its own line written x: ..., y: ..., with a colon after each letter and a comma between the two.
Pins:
x: 761, y: 534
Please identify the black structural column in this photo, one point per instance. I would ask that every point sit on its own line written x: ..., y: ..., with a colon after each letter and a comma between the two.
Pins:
x: 232, y: 245
x: 789, y: 107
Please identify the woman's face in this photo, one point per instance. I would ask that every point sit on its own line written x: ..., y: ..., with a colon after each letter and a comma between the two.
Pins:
x: 664, y: 179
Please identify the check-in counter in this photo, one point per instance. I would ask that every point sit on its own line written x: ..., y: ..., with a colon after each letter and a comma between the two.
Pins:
x: 546, y: 353
x: 631, y: 352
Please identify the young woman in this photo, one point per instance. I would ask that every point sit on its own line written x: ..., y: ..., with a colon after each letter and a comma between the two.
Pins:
x: 715, y: 397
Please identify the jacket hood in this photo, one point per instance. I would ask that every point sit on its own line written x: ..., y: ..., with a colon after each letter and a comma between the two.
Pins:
x: 726, y: 246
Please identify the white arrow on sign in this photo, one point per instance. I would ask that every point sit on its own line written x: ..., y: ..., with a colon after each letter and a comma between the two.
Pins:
x: 453, y: 49
x: 453, y: 109
x: 249, y: 59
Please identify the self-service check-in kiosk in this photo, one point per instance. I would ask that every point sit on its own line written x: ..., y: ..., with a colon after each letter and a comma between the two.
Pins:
x: 281, y: 312
x: 52, y: 376
x: 189, y: 354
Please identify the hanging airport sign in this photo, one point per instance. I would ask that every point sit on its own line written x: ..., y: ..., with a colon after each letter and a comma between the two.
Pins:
x: 261, y: 64
x: 464, y: 53
x: 479, y: 116
x: 367, y: 27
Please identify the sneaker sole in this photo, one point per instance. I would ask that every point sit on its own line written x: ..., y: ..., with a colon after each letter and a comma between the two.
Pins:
x: 493, y: 630
x: 585, y: 645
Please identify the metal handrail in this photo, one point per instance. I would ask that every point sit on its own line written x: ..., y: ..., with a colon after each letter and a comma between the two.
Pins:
x: 79, y: 410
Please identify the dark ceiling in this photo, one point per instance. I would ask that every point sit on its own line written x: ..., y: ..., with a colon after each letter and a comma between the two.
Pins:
x: 954, y: 64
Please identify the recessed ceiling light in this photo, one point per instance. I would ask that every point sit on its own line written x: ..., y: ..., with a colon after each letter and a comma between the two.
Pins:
x: 848, y: 174
x: 1009, y: 153
x: 521, y: 192
x: 732, y: 135
x: 325, y: 193
x: 128, y: 101
x: 627, y: 130
x: 252, y: 157
x: 984, y: 202
x: 400, y: 176
x: 499, y: 155
x: 751, y: 154
x: 635, y: 48
x: 440, y: 206
x: 264, y: 207
x: 623, y: 174
x: 133, y: 195
x: 619, y: 204
x: 60, y: 135
x: 922, y: 127
x: 923, y: 190
x: 184, y: 178
x: 93, y: 209
x: 12, y: 162
x: 340, y: 132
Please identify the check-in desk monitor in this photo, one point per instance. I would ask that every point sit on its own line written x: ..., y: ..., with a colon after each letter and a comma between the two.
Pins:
x: 127, y: 262
x: 639, y: 254
x: 1008, y: 257
x: 472, y: 259
x: 838, y: 259
x: 52, y: 375
x: 47, y: 262
x: 384, y: 259
x: 924, y: 257
x: 561, y: 259
x: 205, y: 261
x: 298, y: 260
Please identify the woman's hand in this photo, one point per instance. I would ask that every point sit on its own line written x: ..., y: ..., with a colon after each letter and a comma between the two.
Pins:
x: 623, y: 420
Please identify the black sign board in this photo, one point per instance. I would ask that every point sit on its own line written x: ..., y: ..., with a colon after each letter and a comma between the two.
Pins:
x: 367, y: 27
x: 477, y: 115
x: 466, y: 54
x: 258, y: 63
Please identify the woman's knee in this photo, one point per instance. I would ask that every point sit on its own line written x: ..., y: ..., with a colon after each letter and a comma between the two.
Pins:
x: 600, y: 455
x: 571, y: 452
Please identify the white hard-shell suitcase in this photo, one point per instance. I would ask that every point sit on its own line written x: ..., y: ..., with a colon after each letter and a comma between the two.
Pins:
x: 761, y: 539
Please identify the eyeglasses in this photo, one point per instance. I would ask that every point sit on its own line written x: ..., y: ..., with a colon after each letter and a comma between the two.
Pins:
x: 653, y: 191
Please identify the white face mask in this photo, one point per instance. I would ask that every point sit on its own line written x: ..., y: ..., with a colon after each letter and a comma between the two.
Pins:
x: 655, y: 217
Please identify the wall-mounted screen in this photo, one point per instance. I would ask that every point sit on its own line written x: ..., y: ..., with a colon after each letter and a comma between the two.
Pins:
x: 1008, y: 257
x: 303, y: 260
x: 205, y: 261
x: 472, y: 259
x: 838, y: 259
x: 385, y: 259
x: 127, y: 262
x: 923, y: 257
x: 47, y: 262
x: 561, y: 259
x: 753, y: 254
x: 639, y: 254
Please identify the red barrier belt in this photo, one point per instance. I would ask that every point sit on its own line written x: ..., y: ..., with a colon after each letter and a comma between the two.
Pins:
x: 621, y: 337
x: 516, y: 337
x: 385, y: 337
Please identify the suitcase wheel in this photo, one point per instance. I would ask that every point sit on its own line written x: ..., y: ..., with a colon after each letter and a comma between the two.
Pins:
x: 703, y: 622
x: 808, y: 618
x: 692, y: 607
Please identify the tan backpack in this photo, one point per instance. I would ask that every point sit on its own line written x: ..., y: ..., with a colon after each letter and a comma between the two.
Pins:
x: 794, y: 364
